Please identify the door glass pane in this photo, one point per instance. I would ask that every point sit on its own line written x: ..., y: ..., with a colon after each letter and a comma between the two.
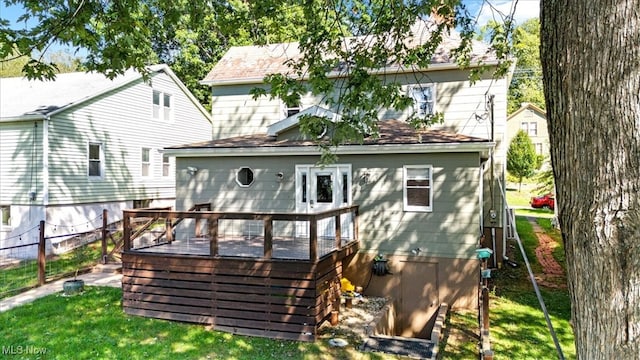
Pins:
x: 345, y: 189
x: 324, y: 189
x: 304, y: 188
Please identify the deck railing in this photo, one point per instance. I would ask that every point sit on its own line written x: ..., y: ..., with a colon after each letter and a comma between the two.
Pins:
x: 297, y: 236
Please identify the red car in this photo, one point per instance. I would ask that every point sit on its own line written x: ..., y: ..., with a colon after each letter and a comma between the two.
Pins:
x: 544, y: 201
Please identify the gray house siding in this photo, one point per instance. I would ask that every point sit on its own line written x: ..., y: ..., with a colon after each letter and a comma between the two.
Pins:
x: 464, y: 107
x: 20, y: 161
x: 121, y: 121
x: 54, y: 165
x: 451, y: 230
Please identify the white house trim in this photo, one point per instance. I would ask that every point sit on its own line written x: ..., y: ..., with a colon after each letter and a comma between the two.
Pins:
x: 482, y: 148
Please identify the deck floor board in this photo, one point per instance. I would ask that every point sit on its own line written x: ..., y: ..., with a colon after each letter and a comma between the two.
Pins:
x: 249, y: 247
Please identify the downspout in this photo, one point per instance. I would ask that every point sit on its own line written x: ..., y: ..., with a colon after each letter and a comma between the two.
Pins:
x: 45, y: 162
x: 492, y: 212
x: 481, y: 195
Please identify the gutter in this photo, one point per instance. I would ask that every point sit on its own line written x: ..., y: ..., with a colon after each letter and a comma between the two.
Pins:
x: 482, y: 148
x: 29, y: 117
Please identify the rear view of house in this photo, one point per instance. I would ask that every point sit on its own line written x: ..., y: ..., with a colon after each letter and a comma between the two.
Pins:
x: 71, y: 147
x: 400, y: 215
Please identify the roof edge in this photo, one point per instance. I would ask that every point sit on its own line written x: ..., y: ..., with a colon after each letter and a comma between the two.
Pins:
x: 481, y: 147
x: 337, y: 75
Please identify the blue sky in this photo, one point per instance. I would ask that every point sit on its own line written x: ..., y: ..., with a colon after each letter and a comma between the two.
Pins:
x: 525, y: 9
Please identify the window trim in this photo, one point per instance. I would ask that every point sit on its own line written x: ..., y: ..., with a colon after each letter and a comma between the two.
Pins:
x: 529, y: 127
x: 253, y: 177
x: 101, y: 160
x: 148, y: 162
x: 405, y: 178
x: 5, y: 226
x: 162, y: 107
x: 295, y: 109
x: 166, y: 165
x: 415, y: 107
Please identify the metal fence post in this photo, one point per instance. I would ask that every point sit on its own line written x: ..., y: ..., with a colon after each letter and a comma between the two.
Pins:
x: 104, y: 235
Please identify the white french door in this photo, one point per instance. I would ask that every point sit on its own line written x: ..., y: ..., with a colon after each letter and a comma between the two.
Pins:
x: 320, y: 189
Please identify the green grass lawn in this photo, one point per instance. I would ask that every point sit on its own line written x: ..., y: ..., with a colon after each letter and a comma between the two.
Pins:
x: 518, y: 327
x: 93, y: 326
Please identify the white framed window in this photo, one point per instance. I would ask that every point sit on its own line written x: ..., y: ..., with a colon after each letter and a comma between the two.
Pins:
x: 290, y: 109
x: 417, y: 188
x: 162, y: 106
x: 531, y: 128
x: 5, y: 216
x: 424, y: 99
x: 166, y: 165
x: 95, y: 160
x: 145, y: 162
x: 538, y: 147
x: 244, y: 176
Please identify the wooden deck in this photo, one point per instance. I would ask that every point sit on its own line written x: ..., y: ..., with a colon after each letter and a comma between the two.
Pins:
x: 269, y: 286
x: 250, y: 247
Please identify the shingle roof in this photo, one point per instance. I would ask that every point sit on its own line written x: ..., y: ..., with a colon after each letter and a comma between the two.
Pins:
x: 20, y: 97
x: 252, y: 63
x: 392, y: 132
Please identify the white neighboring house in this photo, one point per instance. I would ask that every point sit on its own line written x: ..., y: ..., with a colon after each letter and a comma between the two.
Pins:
x: 71, y: 147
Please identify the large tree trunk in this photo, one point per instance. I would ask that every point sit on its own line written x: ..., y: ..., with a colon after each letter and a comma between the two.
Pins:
x: 590, y: 54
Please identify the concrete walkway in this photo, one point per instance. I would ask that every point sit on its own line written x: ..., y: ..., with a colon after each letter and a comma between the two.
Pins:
x: 102, y: 275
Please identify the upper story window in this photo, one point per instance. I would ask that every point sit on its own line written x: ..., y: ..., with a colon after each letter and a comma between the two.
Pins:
x: 95, y: 166
x: 145, y: 161
x: 531, y: 128
x: 424, y: 97
x: 166, y: 165
x: 418, y: 189
x: 162, y: 105
x: 290, y: 109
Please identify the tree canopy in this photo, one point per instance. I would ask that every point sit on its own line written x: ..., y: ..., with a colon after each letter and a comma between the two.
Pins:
x: 522, y: 160
x: 526, y: 84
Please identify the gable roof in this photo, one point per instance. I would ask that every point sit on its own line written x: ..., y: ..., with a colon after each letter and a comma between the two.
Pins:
x: 395, y: 137
x: 528, y: 106
x: 23, y: 99
x: 250, y: 64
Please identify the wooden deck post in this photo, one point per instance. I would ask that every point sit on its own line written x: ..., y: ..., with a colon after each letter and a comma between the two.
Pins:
x: 338, y: 239
x: 485, y: 308
x: 169, y: 230
x: 268, y: 237
x: 126, y: 231
x: 213, y: 234
x: 355, y: 223
x: 104, y: 236
x: 42, y: 258
x: 313, y: 238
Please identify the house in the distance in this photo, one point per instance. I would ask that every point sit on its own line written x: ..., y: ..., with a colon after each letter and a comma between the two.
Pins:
x: 71, y: 147
x: 532, y: 120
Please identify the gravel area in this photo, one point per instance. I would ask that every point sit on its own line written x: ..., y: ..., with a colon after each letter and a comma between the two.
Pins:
x: 355, y: 323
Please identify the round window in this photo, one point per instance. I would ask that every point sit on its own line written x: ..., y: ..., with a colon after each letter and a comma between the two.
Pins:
x: 244, y: 176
